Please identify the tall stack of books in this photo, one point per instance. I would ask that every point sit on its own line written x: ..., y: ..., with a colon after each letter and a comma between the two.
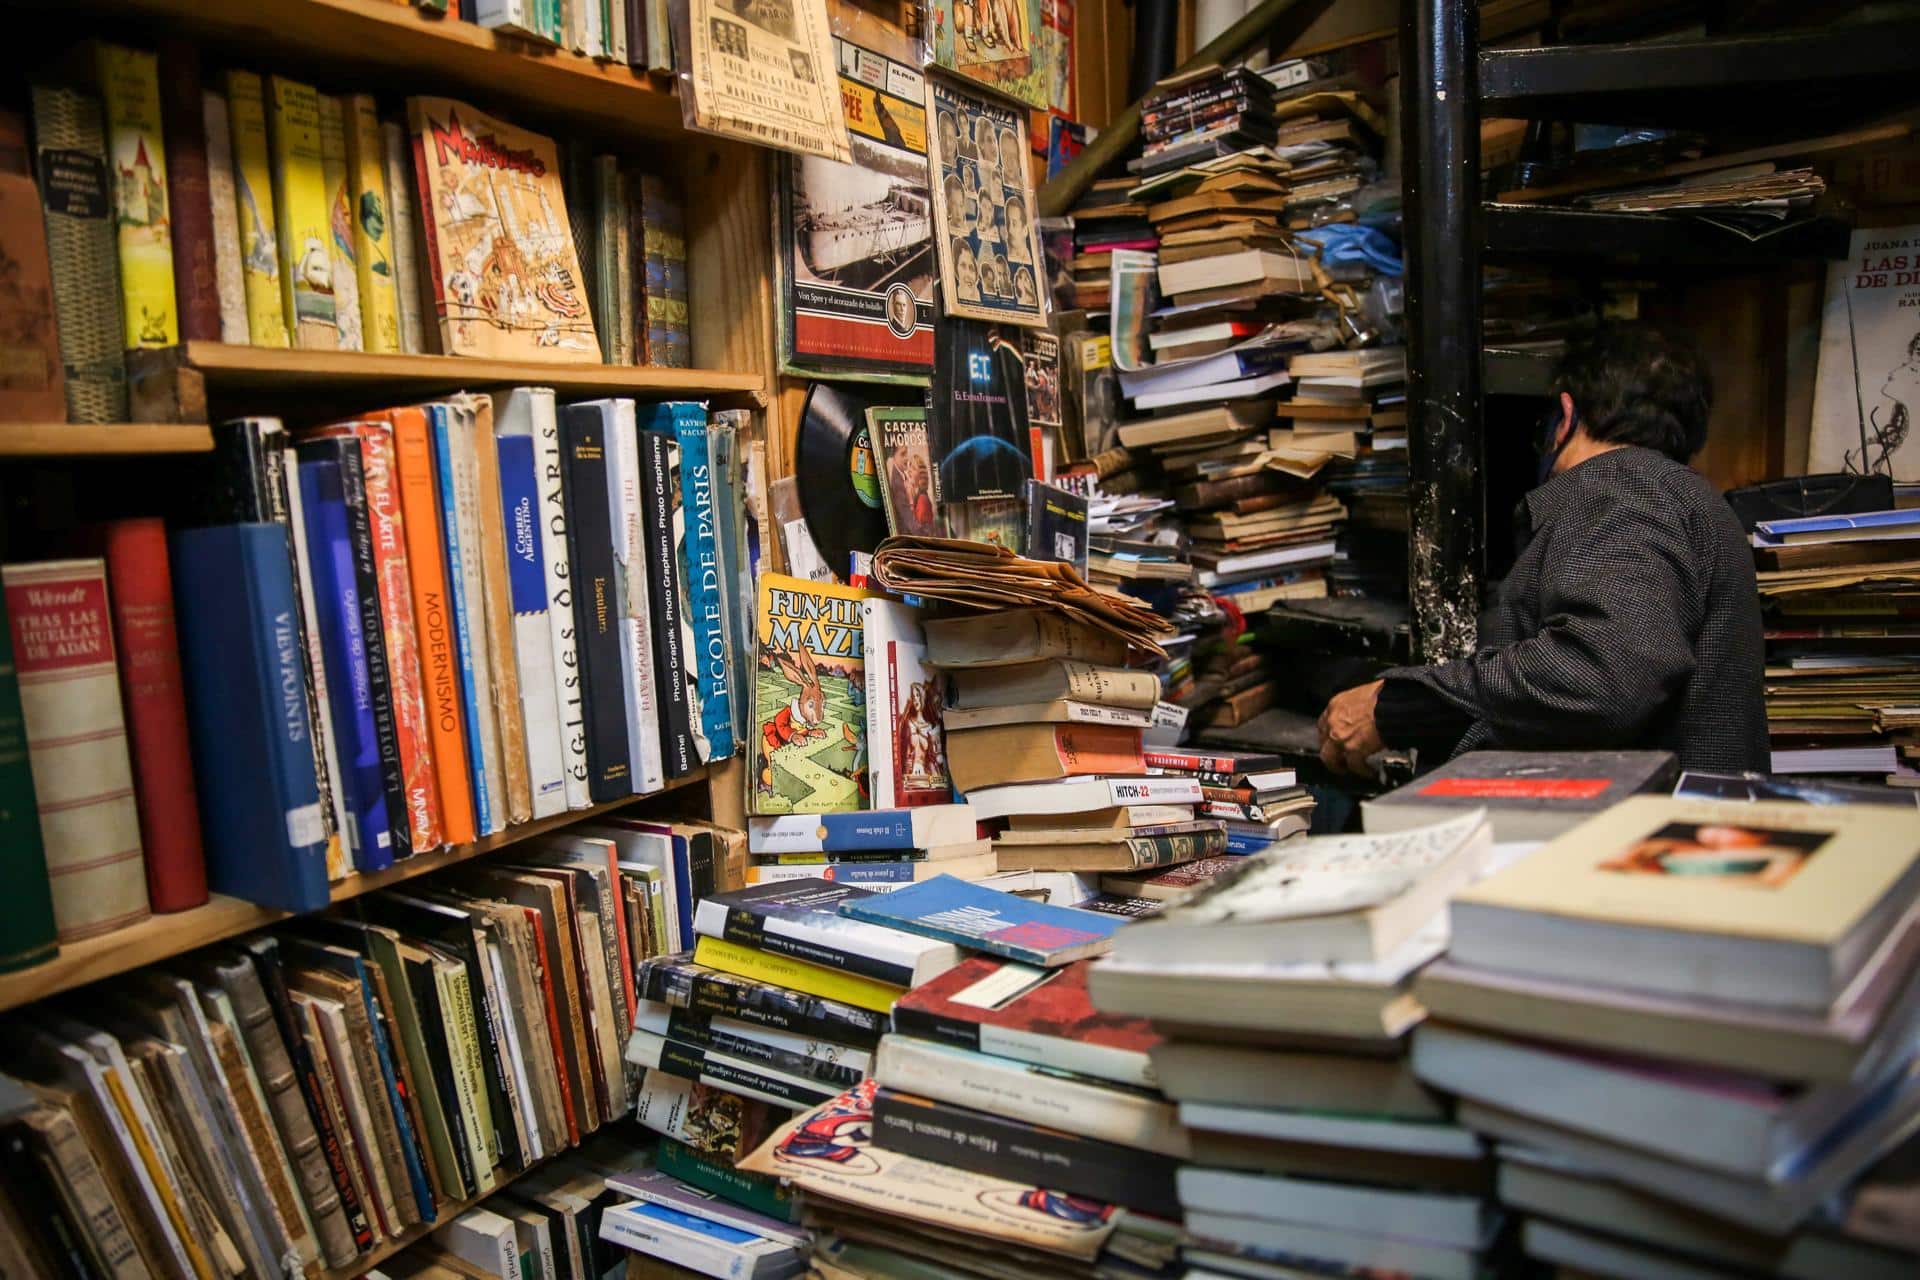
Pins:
x: 1255, y: 794
x: 1281, y: 990
x: 1107, y: 218
x: 1708, y: 1006
x: 1353, y: 406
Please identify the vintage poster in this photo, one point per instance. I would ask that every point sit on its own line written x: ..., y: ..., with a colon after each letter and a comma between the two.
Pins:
x: 910, y: 488
x: 809, y: 697
x: 859, y: 237
x: 983, y: 208
x: 1002, y: 44
x: 1868, y: 386
x: 977, y: 429
x: 506, y: 279
x: 762, y: 71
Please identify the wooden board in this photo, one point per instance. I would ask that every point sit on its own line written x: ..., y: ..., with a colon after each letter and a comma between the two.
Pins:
x: 100, y: 440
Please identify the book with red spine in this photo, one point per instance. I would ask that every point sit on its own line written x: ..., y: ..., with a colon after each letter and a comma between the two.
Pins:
x: 196, y: 282
x: 140, y: 594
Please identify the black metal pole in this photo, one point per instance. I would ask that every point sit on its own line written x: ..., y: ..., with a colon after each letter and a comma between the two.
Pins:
x: 1440, y: 120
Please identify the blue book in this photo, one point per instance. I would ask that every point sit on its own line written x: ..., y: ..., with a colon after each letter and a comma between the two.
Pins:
x: 336, y: 601
x: 1885, y: 524
x: 532, y: 637
x: 466, y: 613
x: 982, y: 919
x: 1241, y: 842
x: 683, y: 888
x: 875, y: 830
x: 700, y: 569
x: 245, y: 673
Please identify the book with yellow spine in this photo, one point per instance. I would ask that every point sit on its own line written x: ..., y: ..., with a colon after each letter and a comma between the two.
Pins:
x: 796, y: 975
x: 137, y: 164
x: 342, y: 272
x: 253, y: 199
x: 300, y: 206
x: 371, y: 215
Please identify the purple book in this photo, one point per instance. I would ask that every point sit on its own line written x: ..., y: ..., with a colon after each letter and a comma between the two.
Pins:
x: 659, y: 1188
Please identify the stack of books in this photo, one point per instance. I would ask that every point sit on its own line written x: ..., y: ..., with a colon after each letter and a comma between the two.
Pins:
x: 1134, y: 540
x: 1711, y: 1006
x: 1281, y: 989
x: 684, y: 1225
x: 1201, y: 115
x: 1259, y: 798
x: 1332, y: 139
x: 1107, y: 218
x: 876, y: 849
x: 1843, y: 663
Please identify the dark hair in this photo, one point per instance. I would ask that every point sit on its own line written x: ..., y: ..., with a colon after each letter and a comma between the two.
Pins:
x: 1639, y: 384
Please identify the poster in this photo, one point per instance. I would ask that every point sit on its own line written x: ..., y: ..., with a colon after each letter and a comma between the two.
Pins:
x: 983, y: 208
x: 762, y: 71
x: 1868, y: 386
x: 1003, y: 44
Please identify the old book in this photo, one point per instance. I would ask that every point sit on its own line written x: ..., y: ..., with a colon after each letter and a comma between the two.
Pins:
x: 32, y: 376
x: 262, y: 1141
x: 223, y: 202
x: 407, y: 1016
x: 1005, y: 637
x: 1527, y: 795
x: 74, y: 1165
x: 493, y: 189
x: 71, y: 163
x: 456, y: 443
x: 397, y: 161
x: 257, y: 210
x: 1199, y: 427
x: 343, y: 274
x: 1047, y: 679
x: 301, y: 209
x: 497, y: 594
x: 339, y: 1095
x: 189, y: 192
x: 1040, y: 752
x: 129, y: 81
x: 371, y: 224
x: 1150, y: 848
x: 28, y: 918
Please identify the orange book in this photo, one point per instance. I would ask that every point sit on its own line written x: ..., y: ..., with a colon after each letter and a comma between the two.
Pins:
x: 1041, y: 752
x: 439, y: 657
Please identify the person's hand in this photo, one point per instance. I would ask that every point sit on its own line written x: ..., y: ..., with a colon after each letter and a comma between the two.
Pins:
x: 1348, y: 734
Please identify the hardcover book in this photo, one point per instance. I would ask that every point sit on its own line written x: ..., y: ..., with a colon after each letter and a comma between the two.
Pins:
x: 258, y: 213
x: 28, y: 924
x: 1528, y: 795
x: 32, y: 379
x: 189, y: 192
x: 397, y: 161
x: 697, y: 566
x: 343, y: 273
x: 506, y: 280
x: 137, y: 162
x: 906, y: 743
x: 802, y: 920
x: 982, y: 919
x: 369, y: 223
x: 661, y: 212
x: 71, y: 163
x: 527, y: 560
x: 301, y: 212
x: 808, y: 698
x: 596, y: 594
x: 223, y: 198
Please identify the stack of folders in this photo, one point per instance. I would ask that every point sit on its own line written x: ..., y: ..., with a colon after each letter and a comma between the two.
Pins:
x: 1281, y: 991
x: 1690, y: 1026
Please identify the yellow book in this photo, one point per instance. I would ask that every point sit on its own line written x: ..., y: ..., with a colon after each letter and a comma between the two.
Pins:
x: 1773, y: 904
x: 130, y: 96
x: 343, y: 271
x: 300, y: 203
x: 253, y: 192
x: 798, y: 975
x: 371, y: 215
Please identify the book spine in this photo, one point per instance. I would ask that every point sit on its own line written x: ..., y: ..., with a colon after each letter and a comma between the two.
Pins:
x: 712, y: 1174
x: 463, y: 1042
x: 64, y: 1150
x: 391, y: 1077
x: 328, y: 775
x: 343, y: 276
x: 77, y: 198
x: 26, y: 895
x: 256, y: 210
x: 76, y: 739
x: 663, y: 584
x: 985, y: 1143
x: 438, y: 646
x: 223, y: 203
x: 154, y: 704
x: 405, y: 229
x: 607, y: 280
x: 137, y: 161
x: 189, y: 193
x: 680, y: 1248
x: 638, y: 264
x: 355, y: 1150
x: 424, y: 984
x: 639, y: 675
x: 700, y: 566
x: 301, y: 207
x: 466, y: 490
x: 371, y: 221
x: 290, y: 1230
x: 497, y: 595
x: 556, y: 565
x: 764, y: 1004
x: 690, y: 1063
x: 464, y: 609
x: 596, y: 607
x: 808, y: 979
x: 665, y: 261
x: 723, y: 457
x: 883, y: 701
x: 829, y: 1064
x: 623, y: 248
x: 532, y: 636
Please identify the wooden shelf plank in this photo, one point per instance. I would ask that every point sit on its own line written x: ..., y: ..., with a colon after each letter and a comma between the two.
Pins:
x: 271, y: 368
x: 414, y: 1235
x: 163, y: 936
x: 100, y: 440
x: 437, y: 55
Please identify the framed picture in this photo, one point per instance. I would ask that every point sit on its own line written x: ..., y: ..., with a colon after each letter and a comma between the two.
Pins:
x: 990, y: 262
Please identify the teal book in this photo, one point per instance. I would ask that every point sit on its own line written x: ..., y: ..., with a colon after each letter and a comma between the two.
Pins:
x: 26, y: 900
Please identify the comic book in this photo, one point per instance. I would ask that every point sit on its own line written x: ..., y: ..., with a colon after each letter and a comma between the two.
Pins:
x: 809, y: 698
x: 507, y: 282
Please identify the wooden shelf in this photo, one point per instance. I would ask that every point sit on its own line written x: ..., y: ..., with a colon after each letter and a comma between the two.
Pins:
x: 227, y: 367
x: 162, y: 936
x: 1652, y: 239
x: 100, y: 440
x: 433, y: 55
x: 414, y: 1235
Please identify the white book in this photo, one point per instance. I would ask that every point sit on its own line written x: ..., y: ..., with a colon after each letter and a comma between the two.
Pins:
x: 517, y: 16
x: 223, y: 197
x: 1364, y: 1251
x: 1407, y: 1137
x: 526, y: 1105
x: 517, y: 425
x: 1220, y: 270
x: 346, y: 842
x: 639, y: 682
x: 658, y: 1017
x: 906, y: 748
x: 558, y: 568
x: 1456, y: 1220
x: 728, y: 1072
x: 406, y: 243
x: 535, y: 1237
x: 1060, y: 710
x: 462, y: 435
x: 1210, y: 393
x: 711, y: 1248
x: 469, y: 1075
x: 1583, y: 1253
x: 483, y: 1240
x: 1081, y: 795
x: 1254, y: 561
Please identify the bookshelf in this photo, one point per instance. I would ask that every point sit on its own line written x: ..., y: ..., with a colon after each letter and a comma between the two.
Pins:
x: 101, y: 440
x: 161, y: 937
x: 386, y: 1249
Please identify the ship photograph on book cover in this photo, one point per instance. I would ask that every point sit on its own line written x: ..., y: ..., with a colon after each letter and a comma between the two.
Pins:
x: 809, y: 698
x: 983, y: 214
x: 859, y: 237
x: 506, y: 277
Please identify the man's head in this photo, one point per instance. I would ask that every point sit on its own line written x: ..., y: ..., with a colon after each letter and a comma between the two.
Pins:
x: 1631, y: 384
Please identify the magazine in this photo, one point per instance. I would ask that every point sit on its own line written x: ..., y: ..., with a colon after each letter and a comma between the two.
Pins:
x: 1004, y: 45
x: 983, y: 211
x: 762, y: 71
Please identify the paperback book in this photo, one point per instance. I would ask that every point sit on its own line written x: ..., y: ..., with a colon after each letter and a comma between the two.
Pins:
x: 983, y: 919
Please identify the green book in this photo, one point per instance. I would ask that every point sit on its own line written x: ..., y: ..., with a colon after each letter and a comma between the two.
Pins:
x: 713, y: 1174
x: 26, y: 900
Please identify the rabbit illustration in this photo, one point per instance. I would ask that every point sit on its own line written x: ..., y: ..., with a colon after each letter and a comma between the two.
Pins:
x: 803, y: 719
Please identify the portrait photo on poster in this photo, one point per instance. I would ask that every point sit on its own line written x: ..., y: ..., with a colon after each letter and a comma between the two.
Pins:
x: 983, y: 210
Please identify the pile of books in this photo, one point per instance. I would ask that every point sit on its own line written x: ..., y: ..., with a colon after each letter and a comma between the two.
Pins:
x: 1843, y: 662
x: 1202, y: 115
x: 444, y: 614
x: 878, y: 850
x: 1353, y: 405
x: 1107, y: 218
x: 1689, y: 1025
x: 315, y: 1093
x: 1254, y: 794
x: 1281, y: 991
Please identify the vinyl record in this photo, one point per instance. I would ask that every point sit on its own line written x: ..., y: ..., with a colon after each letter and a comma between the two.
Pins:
x: 839, y: 483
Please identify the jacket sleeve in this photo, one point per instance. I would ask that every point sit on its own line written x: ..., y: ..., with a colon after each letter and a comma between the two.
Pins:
x: 1620, y: 604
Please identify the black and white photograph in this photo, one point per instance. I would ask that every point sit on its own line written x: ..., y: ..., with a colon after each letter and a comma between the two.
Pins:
x: 983, y: 217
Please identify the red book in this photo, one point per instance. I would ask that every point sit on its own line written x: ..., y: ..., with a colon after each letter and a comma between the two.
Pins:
x: 196, y: 288
x: 140, y: 593
x: 1041, y: 1016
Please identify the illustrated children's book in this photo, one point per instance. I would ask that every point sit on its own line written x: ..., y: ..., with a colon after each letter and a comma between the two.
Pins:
x: 809, y: 698
x: 506, y: 278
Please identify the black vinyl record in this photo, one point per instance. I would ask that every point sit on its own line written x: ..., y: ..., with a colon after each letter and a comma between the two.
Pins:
x: 839, y: 483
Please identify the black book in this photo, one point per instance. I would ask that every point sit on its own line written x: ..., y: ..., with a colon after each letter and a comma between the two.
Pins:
x: 1056, y: 525
x: 265, y: 955
x: 663, y: 598
x: 426, y: 1000
x: 677, y: 981
x: 345, y: 450
x: 596, y: 599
